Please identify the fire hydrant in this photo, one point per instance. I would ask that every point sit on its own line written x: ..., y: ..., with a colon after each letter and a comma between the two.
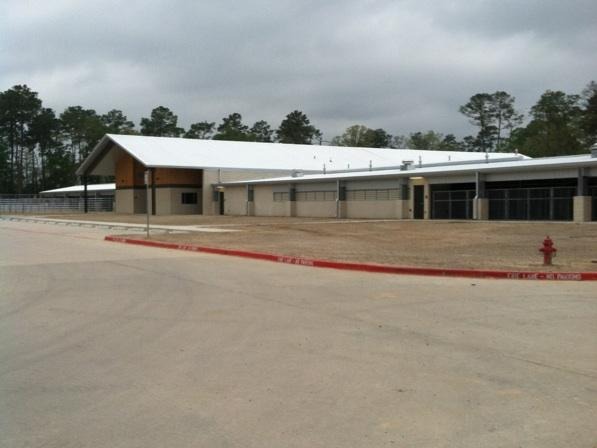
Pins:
x: 548, y: 251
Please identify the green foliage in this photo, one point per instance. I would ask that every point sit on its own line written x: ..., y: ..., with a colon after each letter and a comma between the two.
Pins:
x: 233, y: 129
x: 45, y: 131
x: 554, y: 129
x: 450, y: 143
x: 425, y: 140
x: 162, y: 123
x: 492, y: 113
x: 202, y: 130
x: 296, y: 128
x: 61, y: 169
x: 5, y: 185
x: 262, y: 132
x: 82, y: 129
x: 588, y: 122
x: 18, y: 107
x: 115, y: 122
x: 355, y: 136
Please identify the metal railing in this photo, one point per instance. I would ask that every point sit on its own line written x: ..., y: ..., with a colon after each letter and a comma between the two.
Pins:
x: 35, y: 204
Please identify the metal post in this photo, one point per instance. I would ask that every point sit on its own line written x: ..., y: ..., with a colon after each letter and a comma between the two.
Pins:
x: 147, y: 200
x: 582, y: 183
x: 85, y: 198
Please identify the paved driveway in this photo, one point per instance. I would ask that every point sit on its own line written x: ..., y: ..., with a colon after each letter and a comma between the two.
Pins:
x: 109, y: 345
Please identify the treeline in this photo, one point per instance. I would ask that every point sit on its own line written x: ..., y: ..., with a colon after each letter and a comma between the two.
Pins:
x: 41, y: 150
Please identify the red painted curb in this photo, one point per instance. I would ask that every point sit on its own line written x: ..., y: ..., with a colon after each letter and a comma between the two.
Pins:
x: 386, y: 269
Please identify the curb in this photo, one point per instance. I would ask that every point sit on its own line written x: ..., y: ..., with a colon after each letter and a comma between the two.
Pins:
x: 365, y: 267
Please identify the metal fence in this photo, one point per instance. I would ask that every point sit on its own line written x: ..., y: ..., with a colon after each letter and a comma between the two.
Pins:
x: 35, y: 204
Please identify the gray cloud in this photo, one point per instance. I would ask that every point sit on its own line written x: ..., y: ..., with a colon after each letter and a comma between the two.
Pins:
x: 401, y: 65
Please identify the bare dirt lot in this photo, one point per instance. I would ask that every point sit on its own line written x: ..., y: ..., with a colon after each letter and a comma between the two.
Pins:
x: 456, y: 244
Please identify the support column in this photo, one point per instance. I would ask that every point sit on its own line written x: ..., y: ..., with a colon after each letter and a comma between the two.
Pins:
x: 85, y: 195
x: 153, y: 193
x: 582, y: 208
x: 215, y: 201
x: 340, y: 200
x: 291, y: 204
x: 250, y: 201
x: 582, y: 202
x: 480, y: 201
x: 402, y: 204
x: 427, y: 199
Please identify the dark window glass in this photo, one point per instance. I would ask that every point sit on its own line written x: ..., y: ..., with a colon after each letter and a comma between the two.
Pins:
x: 539, y: 193
x: 518, y: 193
x: 189, y: 198
x: 562, y: 209
x: 459, y: 209
x: 539, y: 209
x: 517, y: 209
x: 497, y: 209
x: 496, y: 194
x: 441, y: 210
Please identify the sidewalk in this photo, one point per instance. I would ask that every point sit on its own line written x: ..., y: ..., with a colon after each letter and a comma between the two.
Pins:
x: 118, y: 225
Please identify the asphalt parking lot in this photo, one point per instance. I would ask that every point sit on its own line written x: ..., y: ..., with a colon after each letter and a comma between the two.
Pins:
x: 107, y: 344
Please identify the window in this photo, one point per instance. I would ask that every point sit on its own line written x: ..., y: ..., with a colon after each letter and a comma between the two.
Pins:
x: 452, y: 204
x: 281, y: 196
x: 189, y: 198
x: 373, y: 195
x: 315, y: 195
x: 534, y: 203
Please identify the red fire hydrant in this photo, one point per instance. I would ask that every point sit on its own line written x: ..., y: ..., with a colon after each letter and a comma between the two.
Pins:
x: 548, y: 251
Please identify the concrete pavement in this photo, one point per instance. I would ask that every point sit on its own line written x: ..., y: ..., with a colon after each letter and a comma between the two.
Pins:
x: 123, y: 346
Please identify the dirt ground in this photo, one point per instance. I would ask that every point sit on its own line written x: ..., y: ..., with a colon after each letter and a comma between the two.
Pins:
x: 455, y: 244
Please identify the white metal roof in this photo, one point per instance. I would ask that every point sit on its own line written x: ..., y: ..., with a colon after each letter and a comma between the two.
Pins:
x: 80, y: 188
x: 167, y: 152
x: 583, y: 160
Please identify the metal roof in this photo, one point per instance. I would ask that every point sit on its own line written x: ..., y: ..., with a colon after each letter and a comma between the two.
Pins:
x: 167, y: 152
x: 583, y: 160
x: 80, y: 188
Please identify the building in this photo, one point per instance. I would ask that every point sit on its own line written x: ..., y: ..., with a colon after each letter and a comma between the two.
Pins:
x: 269, y: 179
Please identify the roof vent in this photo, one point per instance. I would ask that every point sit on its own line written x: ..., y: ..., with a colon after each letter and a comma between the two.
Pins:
x: 406, y: 165
x: 594, y: 151
x: 297, y: 173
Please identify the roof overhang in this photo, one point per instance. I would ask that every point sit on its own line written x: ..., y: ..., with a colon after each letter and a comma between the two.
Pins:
x: 521, y: 166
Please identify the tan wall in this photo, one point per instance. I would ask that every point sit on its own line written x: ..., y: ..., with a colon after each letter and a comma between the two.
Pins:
x: 140, y: 200
x: 264, y: 202
x: 124, y: 201
x: 176, y: 205
x: 235, y: 200
x: 316, y: 209
x: 130, y: 200
x: 582, y: 208
x: 210, y: 177
x: 375, y: 209
x: 168, y: 201
x: 214, y: 176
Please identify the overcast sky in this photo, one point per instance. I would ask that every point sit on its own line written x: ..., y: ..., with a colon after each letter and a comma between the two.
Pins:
x: 400, y: 65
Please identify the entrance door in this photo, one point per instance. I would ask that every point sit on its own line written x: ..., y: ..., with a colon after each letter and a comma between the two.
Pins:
x: 221, y: 202
x: 419, y: 202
